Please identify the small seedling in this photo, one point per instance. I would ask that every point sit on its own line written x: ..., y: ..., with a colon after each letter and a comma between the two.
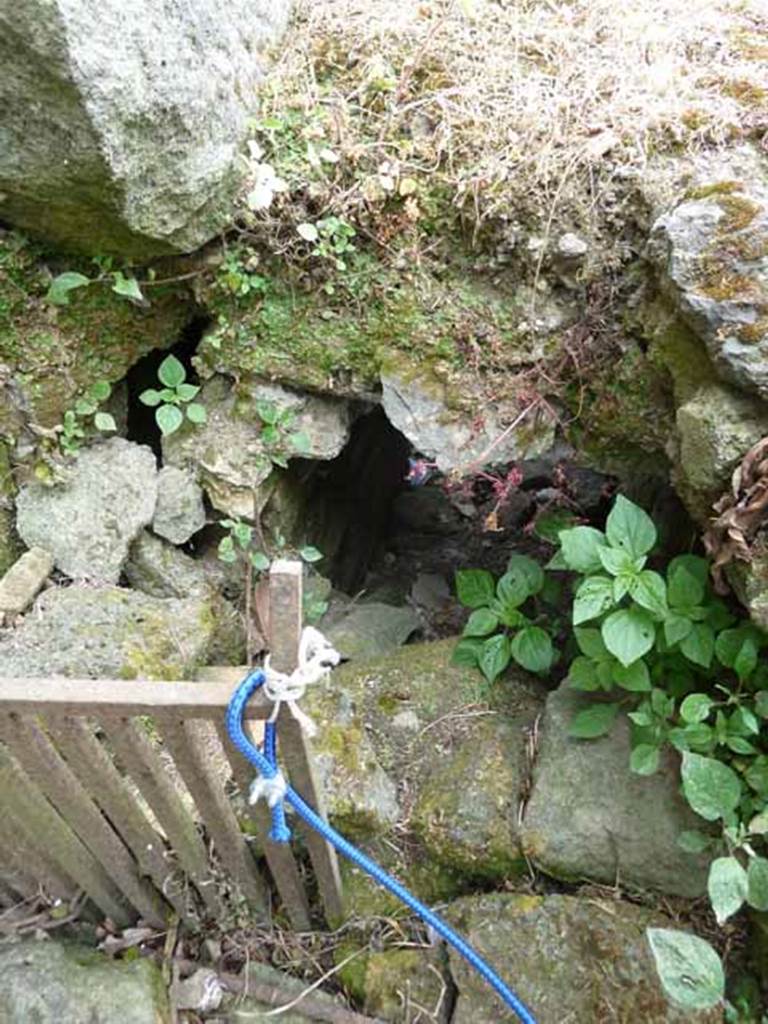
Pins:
x: 172, y: 402
x: 84, y: 417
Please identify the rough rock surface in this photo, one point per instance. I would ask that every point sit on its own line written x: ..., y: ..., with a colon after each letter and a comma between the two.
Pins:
x: 589, y: 817
x: 120, y: 125
x: 370, y: 630
x: 716, y: 427
x: 89, y: 520
x: 568, y: 959
x: 10, y: 548
x: 390, y: 984
x: 110, y: 633
x: 228, y: 453
x: 56, y: 982
x: 21, y: 584
x: 420, y: 411
x: 711, y: 251
x: 179, y: 512
x: 161, y: 570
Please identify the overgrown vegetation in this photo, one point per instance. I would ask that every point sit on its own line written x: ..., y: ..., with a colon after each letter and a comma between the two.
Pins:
x: 664, y: 649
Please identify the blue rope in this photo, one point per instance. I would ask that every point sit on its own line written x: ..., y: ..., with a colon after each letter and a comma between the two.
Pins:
x: 266, y: 764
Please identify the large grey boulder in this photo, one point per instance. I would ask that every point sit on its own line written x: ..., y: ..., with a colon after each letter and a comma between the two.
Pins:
x: 568, y: 959
x: 120, y: 123
x: 229, y: 454
x: 179, y: 512
x: 64, y: 983
x: 159, y: 569
x: 89, y: 520
x: 712, y: 254
x: 112, y: 633
x: 589, y: 817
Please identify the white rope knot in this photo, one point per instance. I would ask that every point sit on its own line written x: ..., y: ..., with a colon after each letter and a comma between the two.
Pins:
x: 317, y: 657
x: 272, y: 790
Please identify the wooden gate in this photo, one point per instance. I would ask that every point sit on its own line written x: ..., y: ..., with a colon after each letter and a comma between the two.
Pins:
x: 121, y: 789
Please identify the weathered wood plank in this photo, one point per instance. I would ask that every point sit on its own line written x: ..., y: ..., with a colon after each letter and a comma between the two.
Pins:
x: 285, y: 616
x: 90, y: 761
x: 280, y: 860
x: 126, y: 699
x: 34, y: 751
x: 32, y: 867
x: 189, y: 744
x: 27, y: 810
x: 142, y: 762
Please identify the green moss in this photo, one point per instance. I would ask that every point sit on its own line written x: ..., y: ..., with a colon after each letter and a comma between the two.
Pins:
x: 716, y: 188
x: 10, y: 546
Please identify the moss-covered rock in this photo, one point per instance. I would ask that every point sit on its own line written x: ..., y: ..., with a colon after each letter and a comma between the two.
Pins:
x: 390, y: 984
x: 567, y: 958
x: 51, y: 353
x: 10, y: 545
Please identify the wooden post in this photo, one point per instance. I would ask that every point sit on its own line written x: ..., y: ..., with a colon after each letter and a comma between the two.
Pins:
x: 285, y: 618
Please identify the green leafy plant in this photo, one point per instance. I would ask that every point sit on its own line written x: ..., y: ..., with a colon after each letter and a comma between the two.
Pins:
x: 498, y: 630
x: 121, y: 283
x: 332, y: 239
x: 279, y: 439
x: 243, y: 541
x: 175, y: 400
x: 86, y: 418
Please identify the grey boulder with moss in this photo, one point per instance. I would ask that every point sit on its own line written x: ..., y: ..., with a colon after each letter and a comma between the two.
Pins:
x: 158, y: 568
x: 67, y: 983
x: 180, y: 511
x: 711, y: 253
x: 110, y: 633
x: 90, y: 518
x: 568, y: 959
x: 120, y: 126
x: 228, y: 454
x: 590, y: 818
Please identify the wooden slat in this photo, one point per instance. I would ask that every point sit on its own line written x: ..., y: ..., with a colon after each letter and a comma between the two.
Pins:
x: 280, y: 860
x: 89, y: 760
x: 40, y: 826
x: 142, y: 762
x: 189, y: 743
x: 32, y: 867
x: 97, y: 697
x: 52, y: 775
x: 285, y: 616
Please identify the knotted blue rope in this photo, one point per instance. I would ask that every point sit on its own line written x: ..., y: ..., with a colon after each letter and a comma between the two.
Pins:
x: 276, y: 789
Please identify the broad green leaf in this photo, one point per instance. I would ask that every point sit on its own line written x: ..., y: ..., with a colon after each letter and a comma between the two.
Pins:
x: 729, y: 644
x: 684, y: 588
x: 226, y: 550
x: 507, y: 616
x: 100, y: 390
x: 761, y: 703
x: 104, y: 421
x: 727, y: 887
x: 310, y: 553
x: 171, y: 372
x: 739, y: 745
x: 512, y: 590
x: 699, y: 645
x: 168, y: 418
x: 630, y: 528
x: 582, y: 674
x: 696, y: 707
x: 744, y: 722
x: 746, y: 660
x: 759, y: 824
x: 621, y: 585
x: 530, y: 570
x: 196, y: 413
x: 481, y: 622
x: 694, y: 565
x: 593, y: 721
x: 126, y: 286
x: 85, y: 407
x: 556, y: 562
x: 593, y: 598
x: 688, y: 967
x: 693, y: 841
x: 259, y: 561
x: 474, y: 587
x: 650, y: 592
x: 644, y: 759
x: 63, y: 284
x: 187, y: 392
x: 267, y: 411
x: 243, y: 534
x: 532, y: 648
x: 757, y: 883
x: 676, y: 628
x: 591, y: 643
x: 712, y: 788
x: 634, y: 677
x: 494, y: 657
x: 466, y: 652
x: 579, y: 547
x: 617, y: 561
x: 757, y: 775
x: 629, y: 634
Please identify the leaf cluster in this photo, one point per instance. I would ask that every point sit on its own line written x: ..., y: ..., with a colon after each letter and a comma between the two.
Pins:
x: 86, y: 418
x: 175, y: 399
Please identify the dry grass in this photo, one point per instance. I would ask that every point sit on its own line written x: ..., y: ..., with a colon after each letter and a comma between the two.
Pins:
x: 521, y: 111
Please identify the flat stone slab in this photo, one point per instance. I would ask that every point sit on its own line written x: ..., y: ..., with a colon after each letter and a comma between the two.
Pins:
x: 589, y: 817
x: 568, y: 959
